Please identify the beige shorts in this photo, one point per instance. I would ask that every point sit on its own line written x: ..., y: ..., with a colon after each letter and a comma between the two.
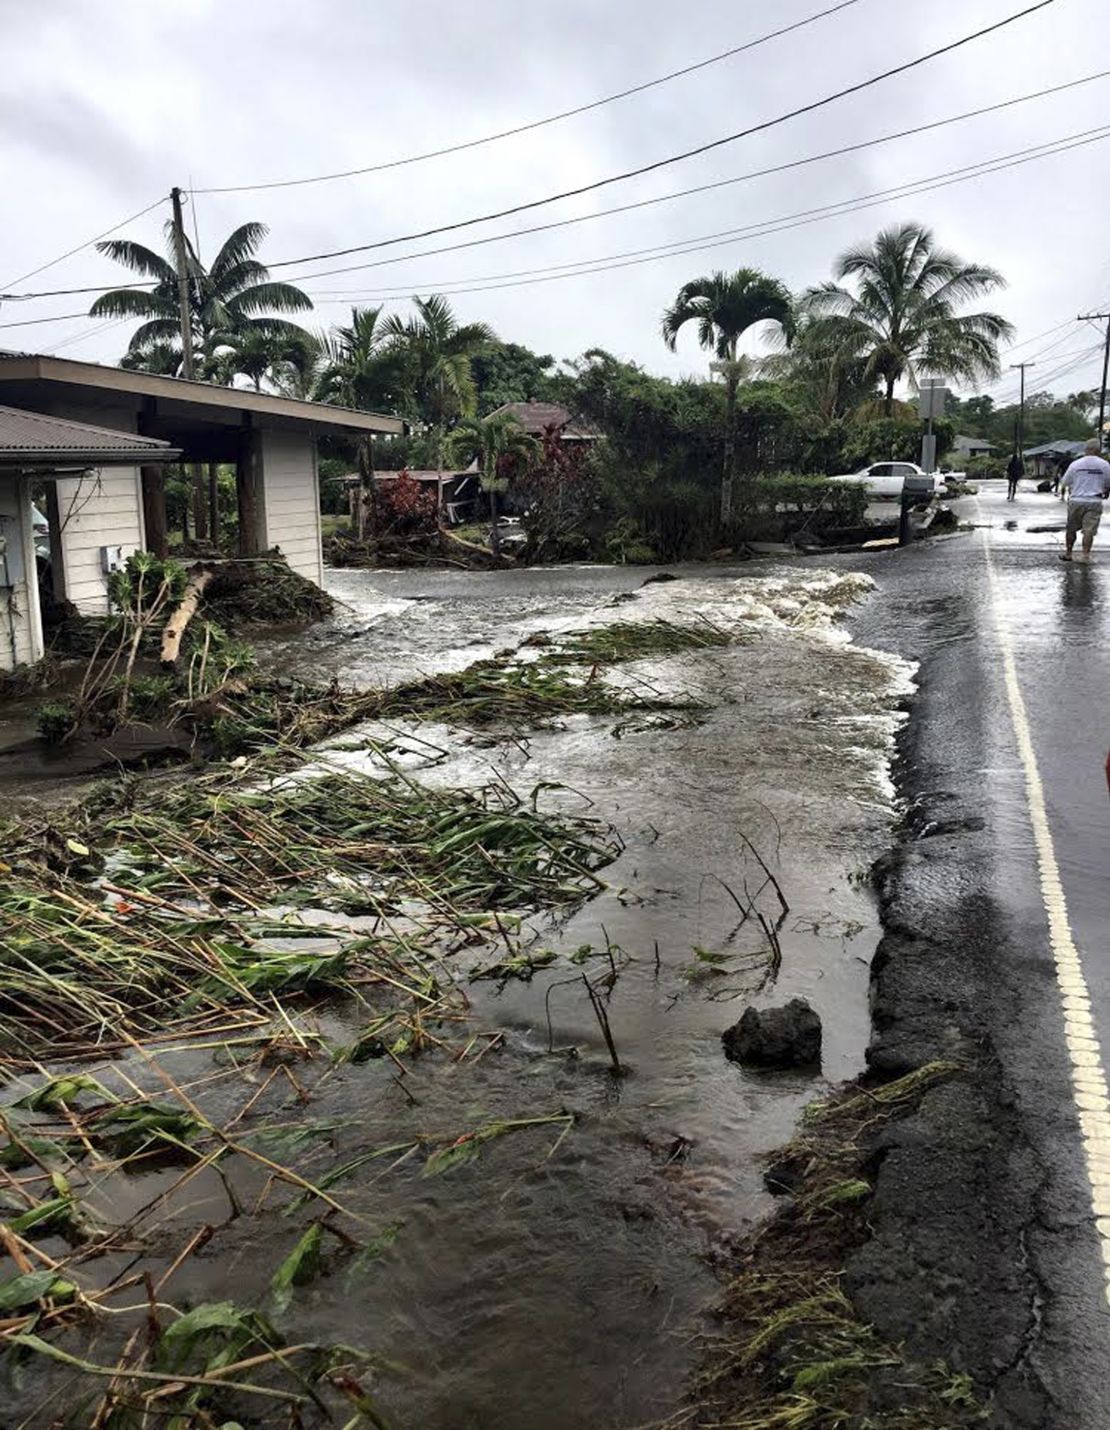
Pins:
x: 1083, y: 516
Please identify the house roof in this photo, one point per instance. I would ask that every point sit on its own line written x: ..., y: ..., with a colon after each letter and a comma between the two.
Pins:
x: 29, y: 439
x: 537, y: 417
x: 1055, y: 449
x: 54, y: 378
x: 973, y: 441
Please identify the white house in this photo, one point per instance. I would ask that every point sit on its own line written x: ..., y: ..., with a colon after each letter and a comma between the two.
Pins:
x: 35, y: 448
x: 102, y: 497
x: 964, y: 447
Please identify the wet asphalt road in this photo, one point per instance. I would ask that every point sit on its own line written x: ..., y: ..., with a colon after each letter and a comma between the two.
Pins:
x: 1002, y: 1270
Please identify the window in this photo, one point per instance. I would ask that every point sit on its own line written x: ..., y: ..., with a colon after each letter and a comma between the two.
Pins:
x: 883, y: 469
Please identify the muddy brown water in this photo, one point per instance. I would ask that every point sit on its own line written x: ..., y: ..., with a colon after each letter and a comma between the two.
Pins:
x: 559, y: 1281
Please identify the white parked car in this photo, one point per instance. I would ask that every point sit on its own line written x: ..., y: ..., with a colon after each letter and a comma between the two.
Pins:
x: 885, y: 479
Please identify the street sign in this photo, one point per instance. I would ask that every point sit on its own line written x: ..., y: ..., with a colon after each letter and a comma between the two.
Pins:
x: 931, y: 395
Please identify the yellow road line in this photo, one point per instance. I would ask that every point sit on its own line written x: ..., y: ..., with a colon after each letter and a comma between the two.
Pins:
x: 1088, y: 1076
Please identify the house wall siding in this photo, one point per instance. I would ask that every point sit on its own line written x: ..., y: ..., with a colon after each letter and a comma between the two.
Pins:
x: 101, y: 508
x: 20, y: 620
x: 291, y: 501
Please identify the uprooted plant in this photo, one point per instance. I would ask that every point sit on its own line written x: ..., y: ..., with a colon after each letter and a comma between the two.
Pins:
x: 152, y: 600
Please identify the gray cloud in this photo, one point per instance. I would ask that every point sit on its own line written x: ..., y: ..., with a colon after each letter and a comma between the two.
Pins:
x: 114, y: 99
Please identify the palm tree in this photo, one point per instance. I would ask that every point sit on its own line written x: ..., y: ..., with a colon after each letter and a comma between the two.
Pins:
x: 499, y: 445
x: 278, y: 358
x: 903, y: 317
x: 439, y: 352
x: 725, y: 306
x: 829, y: 380
x: 233, y: 297
x: 359, y: 368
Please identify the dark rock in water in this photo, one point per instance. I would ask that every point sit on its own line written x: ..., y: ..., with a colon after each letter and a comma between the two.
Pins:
x: 787, y: 1037
x: 660, y: 576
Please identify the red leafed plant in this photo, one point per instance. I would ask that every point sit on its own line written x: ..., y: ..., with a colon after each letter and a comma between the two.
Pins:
x: 406, y: 505
x: 560, y: 492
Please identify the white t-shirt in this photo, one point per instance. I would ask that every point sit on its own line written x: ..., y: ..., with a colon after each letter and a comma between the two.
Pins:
x: 1087, y: 479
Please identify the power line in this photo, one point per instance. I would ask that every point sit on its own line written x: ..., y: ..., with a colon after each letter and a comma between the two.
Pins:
x: 87, y: 244
x: 674, y: 158
x: 765, y: 227
x: 1012, y: 347
x: 644, y: 203
x: 84, y: 337
x: 33, y: 322
x: 536, y: 123
x: 1009, y: 398
x: 705, y: 188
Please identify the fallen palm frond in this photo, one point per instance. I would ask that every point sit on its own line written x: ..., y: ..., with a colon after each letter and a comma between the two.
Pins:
x: 495, y: 692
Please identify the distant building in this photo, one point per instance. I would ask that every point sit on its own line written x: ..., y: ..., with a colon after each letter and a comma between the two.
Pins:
x: 1043, y: 461
x: 965, y: 447
x: 537, y: 418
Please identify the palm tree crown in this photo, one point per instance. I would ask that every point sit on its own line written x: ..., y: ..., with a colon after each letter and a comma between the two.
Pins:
x: 725, y: 306
x: 903, y: 317
x: 498, y: 444
x: 441, y: 351
x: 359, y: 363
x: 234, y: 295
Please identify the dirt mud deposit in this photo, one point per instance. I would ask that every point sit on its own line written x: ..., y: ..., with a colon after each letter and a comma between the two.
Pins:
x: 438, y: 1130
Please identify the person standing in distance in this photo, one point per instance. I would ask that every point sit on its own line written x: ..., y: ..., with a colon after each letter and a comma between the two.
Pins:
x: 1015, y: 470
x: 1085, y: 483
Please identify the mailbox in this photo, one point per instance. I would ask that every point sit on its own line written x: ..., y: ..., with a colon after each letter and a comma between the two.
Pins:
x: 916, y: 489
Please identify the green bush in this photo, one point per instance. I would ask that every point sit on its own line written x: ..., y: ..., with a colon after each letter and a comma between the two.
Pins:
x: 775, y: 505
x: 57, y: 721
x: 982, y: 468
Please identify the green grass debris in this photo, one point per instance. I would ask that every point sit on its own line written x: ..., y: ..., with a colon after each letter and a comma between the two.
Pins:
x: 790, y: 1349
x: 152, y: 912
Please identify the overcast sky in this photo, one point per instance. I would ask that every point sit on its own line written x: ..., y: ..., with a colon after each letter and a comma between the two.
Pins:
x: 105, y: 104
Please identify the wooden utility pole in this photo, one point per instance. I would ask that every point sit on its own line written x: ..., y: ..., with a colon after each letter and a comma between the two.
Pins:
x: 1091, y: 318
x: 1021, y: 366
x: 184, y: 308
x: 182, y: 261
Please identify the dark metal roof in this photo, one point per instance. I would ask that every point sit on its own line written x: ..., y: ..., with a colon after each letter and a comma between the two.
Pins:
x: 30, y: 439
x: 1056, y: 449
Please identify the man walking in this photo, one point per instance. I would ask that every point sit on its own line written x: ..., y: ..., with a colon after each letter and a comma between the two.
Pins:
x: 1085, y: 483
x: 1015, y: 470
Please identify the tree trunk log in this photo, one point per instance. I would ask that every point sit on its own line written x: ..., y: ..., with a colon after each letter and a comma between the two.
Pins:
x: 174, y: 628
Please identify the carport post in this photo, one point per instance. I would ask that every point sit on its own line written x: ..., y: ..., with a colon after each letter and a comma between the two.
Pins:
x: 248, y: 479
x: 153, y: 482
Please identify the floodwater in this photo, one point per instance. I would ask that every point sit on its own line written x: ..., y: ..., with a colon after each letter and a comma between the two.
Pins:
x: 558, y: 1279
